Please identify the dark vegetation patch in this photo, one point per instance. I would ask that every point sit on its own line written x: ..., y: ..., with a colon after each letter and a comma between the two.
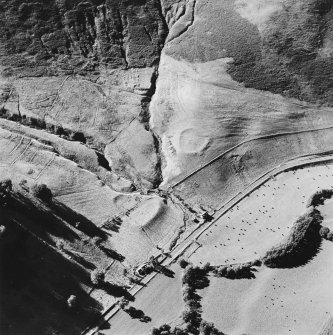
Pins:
x: 42, y: 192
x: 51, y: 215
x: 133, y: 312
x: 37, y: 123
x: 288, y: 62
x: 44, y: 278
x: 194, y: 278
x: 75, y: 36
x: 301, y: 246
x: 53, y: 218
x: 65, y: 133
x: 240, y: 271
x: 319, y: 197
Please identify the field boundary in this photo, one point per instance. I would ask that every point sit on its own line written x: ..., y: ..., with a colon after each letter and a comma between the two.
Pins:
x: 177, y: 183
x: 313, y: 159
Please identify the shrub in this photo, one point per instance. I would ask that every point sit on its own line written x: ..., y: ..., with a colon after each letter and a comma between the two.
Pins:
x: 123, y: 303
x: 190, y: 316
x: 2, y: 111
x: 330, y: 236
x: 164, y: 329
x: 193, y: 304
x: 6, y: 185
x: 77, y: 136
x: 191, y: 274
x: 155, y: 331
x: 223, y: 271
x: 5, y: 189
x: 319, y: 198
x: 187, y: 292
x: 183, y: 263
x: 179, y: 331
x: 208, y: 328
x: 97, y: 277
x: 231, y: 273
x: 206, y: 267
x: 42, y: 192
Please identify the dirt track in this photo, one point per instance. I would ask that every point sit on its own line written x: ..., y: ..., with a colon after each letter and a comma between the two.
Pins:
x: 182, y: 247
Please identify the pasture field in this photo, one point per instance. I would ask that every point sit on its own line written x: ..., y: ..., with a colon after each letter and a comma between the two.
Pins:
x: 161, y: 301
x: 277, y: 302
x: 262, y: 219
x: 77, y: 152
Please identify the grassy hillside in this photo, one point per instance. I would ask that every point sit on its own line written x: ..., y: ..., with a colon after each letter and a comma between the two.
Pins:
x: 293, y: 61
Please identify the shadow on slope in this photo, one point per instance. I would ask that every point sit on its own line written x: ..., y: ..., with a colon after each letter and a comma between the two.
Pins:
x: 35, y: 284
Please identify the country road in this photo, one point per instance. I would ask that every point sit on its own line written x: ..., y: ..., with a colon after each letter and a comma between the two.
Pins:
x: 296, y: 162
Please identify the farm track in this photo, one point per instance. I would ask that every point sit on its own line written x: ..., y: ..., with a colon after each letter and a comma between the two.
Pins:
x: 177, y: 183
x: 49, y: 163
x: 296, y: 162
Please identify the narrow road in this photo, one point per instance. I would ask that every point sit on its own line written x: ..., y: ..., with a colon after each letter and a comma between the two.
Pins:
x: 297, y: 162
x: 240, y: 144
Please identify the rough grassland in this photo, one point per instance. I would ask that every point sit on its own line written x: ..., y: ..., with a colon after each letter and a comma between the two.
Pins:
x: 82, y: 192
x: 199, y: 112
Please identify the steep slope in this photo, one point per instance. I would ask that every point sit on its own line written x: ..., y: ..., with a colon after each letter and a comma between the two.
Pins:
x: 223, y: 81
x: 88, y: 68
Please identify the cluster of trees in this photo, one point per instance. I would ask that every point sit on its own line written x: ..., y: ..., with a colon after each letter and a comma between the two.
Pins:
x: 41, y: 124
x: 194, y: 278
x: 208, y: 328
x: 132, y: 311
x: 301, y: 245
x: 234, y: 271
x: 167, y: 330
x: 112, y: 224
x: 42, y: 192
x: 319, y: 197
x: 205, y: 328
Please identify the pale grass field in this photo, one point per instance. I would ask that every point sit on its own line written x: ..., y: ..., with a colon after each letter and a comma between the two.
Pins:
x: 277, y: 302
x: 263, y: 219
x: 161, y: 300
